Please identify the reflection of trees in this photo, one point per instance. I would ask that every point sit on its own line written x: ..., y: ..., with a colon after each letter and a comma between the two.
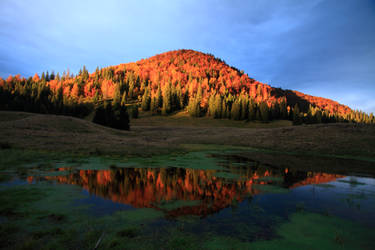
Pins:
x: 150, y: 187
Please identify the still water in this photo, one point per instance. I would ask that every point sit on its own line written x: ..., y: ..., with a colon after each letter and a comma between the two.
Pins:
x: 228, y: 197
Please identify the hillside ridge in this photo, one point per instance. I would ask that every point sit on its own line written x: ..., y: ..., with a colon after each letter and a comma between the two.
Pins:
x: 172, y: 81
x: 268, y: 93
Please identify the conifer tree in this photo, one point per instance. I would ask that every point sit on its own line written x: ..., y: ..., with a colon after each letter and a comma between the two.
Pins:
x: 180, y: 96
x: 264, y: 111
x: 167, y: 100
x: 47, y: 77
x: 297, y: 119
x: 159, y: 98
x: 224, y: 110
x: 134, y: 112
x: 146, y: 99
x: 218, y: 106
x: 258, y: 115
x: 252, y: 111
x: 318, y: 116
x: 244, y: 108
x: 123, y: 99
x: 283, y: 110
x: 154, y: 105
x: 175, y: 102
x: 194, y: 108
x: 211, y: 106
x: 117, y: 97
x: 236, y: 110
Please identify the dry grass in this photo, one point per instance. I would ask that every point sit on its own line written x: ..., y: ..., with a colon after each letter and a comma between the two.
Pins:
x: 165, y: 134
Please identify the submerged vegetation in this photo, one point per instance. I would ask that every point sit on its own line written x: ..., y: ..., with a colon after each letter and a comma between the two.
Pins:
x: 177, y: 80
x: 170, y: 202
x: 188, y: 175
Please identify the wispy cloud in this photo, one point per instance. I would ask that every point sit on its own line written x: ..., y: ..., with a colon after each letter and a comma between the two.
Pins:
x: 317, y: 46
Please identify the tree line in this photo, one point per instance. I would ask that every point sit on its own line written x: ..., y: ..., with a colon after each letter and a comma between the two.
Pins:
x: 180, y: 80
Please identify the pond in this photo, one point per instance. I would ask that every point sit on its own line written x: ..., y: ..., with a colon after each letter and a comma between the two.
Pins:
x: 204, y: 200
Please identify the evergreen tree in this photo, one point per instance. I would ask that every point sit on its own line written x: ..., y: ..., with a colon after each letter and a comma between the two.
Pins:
x: 131, y: 86
x: 47, y: 77
x: 283, y: 110
x: 236, y: 110
x: 252, y: 111
x: 52, y: 76
x: 258, y: 115
x: 159, y: 98
x: 167, y: 100
x: 218, y: 106
x: 180, y: 96
x: 117, y: 97
x: 224, y: 109
x: 123, y: 99
x: 134, y: 112
x: 194, y: 108
x: 297, y: 119
x: 154, y: 105
x: 244, y: 108
x: 175, y: 102
x: 275, y: 111
x: 318, y: 116
x: 211, y: 106
x: 264, y: 111
x: 85, y: 73
x: 146, y: 99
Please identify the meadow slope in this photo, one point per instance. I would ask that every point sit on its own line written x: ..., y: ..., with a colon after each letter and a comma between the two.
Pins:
x: 151, y: 135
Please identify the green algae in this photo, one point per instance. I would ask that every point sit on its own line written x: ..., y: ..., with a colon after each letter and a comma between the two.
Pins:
x: 46, y: 216
x: 270, y: 189
x: 138, y: 216
x: 227, y: 175
x: 39, y: 213
x: 316, y: 231
x: 192, y: 160
x: 304, y: 231
x: 175, y: 204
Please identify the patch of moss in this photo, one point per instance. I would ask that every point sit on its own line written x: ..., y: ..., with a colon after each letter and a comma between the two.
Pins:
x: 138, y: 216
x: 315, y: 231
x: 130, y: 232
x: 191, y: 160
x: 227, y: 175
x: 175, y: 204
x: 270, y: 189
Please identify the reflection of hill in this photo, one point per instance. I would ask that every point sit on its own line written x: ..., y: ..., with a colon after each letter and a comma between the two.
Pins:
x: 154, y: 187
x: 316, y: 178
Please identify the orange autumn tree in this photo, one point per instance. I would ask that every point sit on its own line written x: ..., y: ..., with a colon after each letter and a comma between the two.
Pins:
x: 179, y: 80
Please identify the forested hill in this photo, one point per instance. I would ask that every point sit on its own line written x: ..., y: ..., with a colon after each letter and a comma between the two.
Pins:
x: 171, y: 81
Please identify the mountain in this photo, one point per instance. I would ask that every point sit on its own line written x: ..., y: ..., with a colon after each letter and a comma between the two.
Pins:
x: 190, y: 67
x: 171, y: 81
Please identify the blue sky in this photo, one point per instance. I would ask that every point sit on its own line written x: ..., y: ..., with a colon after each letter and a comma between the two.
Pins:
x: 320, y: 47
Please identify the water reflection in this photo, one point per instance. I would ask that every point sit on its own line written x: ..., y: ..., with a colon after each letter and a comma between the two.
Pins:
x: 199, y: 192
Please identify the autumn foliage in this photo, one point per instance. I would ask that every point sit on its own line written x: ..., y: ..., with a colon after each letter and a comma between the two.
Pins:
x: 168, y: 82
x: 142, y: 187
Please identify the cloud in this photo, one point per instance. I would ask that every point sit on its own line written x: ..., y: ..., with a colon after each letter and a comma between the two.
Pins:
x: 315, y: 45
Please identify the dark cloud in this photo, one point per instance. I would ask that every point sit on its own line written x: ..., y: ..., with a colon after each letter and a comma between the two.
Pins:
x: 322, y: 47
